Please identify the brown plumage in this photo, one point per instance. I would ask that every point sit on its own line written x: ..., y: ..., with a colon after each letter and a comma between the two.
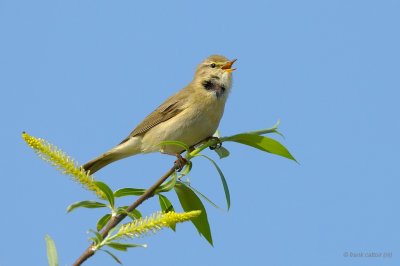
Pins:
x: 190, y: 116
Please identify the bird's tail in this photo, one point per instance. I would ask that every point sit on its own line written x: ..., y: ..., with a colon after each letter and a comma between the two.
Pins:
x: 121, y: 151
x: 99, y: 162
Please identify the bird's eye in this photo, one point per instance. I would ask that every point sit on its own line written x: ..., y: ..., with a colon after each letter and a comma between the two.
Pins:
x: 213, y: 65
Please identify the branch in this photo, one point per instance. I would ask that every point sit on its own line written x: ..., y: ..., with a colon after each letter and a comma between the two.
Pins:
x: 117, y: 219
x: 189, y: 155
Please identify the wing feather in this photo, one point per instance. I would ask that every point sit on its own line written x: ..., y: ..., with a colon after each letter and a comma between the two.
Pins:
x: 170, y: 108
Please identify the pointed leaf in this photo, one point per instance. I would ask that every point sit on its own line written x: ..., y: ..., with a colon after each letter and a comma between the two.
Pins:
x: 175, y: 143
x: 103, y: 221
x: 107, y: 191
x: 123, y: 192
x: 112, y: 256
x: 98, y: 238
x: 167, y: 186
x: 52, y: 256
x: 273, y: 129
x: 186, y: 170
x: 123, y: 246
x: 166, y: 206
x: 191, y: 202
x: 217, y: 134
x: 135, y: 214
x: 122, y: 209
x: 222, y: 152
x: 223, y: 180
x: 262, y: 143
x: 202, y: 196
x: 85, y: 204
x: 94, y: 240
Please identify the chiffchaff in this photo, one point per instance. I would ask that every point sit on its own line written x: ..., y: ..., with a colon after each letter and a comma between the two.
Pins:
x: 190, y: 116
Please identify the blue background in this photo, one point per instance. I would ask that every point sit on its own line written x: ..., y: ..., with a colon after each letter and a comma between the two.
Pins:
x: 82, y: 74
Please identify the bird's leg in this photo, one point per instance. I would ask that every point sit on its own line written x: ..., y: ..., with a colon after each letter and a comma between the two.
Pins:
x: 216, y: 145
x: 212, y: 147
x: 180, y: 162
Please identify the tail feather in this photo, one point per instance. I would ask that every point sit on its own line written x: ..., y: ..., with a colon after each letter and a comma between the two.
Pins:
x: 125, y: 149
x: 99, y: 162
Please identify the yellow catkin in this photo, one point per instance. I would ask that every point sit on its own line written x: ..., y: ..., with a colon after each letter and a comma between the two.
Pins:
x: 154, y: 223
x: 62, y: 162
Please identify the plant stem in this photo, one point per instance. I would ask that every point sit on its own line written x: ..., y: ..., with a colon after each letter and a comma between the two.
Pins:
x: 272, y: 129
x: 117, y: 219
x: 150, y: 192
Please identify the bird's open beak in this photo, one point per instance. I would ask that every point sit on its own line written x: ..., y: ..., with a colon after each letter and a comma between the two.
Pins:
x: 228, y: 66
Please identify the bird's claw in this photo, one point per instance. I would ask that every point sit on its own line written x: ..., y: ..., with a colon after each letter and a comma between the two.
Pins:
x: 217, y: 145
x: 180, y: 162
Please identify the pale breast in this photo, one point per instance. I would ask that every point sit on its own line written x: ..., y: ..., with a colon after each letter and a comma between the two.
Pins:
x: 191, y: 126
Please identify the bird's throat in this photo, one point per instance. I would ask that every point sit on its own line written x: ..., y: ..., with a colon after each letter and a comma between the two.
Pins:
x: 213, y: 86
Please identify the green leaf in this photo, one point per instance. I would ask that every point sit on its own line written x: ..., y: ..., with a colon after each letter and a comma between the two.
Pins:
x: 167, y: 186
x: 94, y: 240
x: 97, y: 236
x: 52, y: 256
x: 123, y: 246
x: 103, y: 221
x: 107, y: 191
x: 273, y: 129
x: 123, y: 192
x: 85, y: 204
x: 191, y: 202
x: 202, y: 195
x: 223, y: 180
x: 166, y: 206
x: 262, y: 143
x: 112, y: 256
x: 186, y: 170
x: 175, y: 143
x: 217, y: 134
x: 135, y: 214
x: 222, y: 152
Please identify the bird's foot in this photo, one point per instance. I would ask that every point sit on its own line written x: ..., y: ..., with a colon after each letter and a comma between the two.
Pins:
x: 180, y: 162
x: 191, y: 148
x: 217, y: 145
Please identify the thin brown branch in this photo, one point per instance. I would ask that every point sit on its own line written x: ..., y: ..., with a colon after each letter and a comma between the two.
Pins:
x: 117, y: 219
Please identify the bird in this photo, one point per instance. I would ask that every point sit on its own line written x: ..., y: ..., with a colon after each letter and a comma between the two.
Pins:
x: 191, y: 116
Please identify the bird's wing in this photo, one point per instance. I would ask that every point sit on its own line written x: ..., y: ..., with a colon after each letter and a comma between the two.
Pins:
x: 170, y: 108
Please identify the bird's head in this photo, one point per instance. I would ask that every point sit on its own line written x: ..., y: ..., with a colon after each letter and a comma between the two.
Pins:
x: 215, y: 74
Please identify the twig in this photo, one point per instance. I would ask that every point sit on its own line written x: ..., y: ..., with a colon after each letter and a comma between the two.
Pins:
x: 150, y: 192
x: 117, y: 219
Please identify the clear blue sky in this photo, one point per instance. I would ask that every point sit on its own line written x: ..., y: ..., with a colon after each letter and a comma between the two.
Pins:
x: 82, y: 74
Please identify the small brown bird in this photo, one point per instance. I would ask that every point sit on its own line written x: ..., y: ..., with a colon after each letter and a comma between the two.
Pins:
x: 190, y: 116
